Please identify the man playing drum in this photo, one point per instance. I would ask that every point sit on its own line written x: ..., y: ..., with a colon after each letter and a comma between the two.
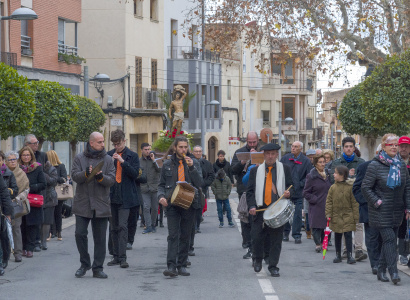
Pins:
x: 180, y: 220
x: 266, y: 184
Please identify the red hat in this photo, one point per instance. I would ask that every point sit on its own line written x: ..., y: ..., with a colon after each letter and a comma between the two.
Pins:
x: 404, y: 140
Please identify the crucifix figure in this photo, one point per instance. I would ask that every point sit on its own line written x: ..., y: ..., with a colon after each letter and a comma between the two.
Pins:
x: 177, y: 106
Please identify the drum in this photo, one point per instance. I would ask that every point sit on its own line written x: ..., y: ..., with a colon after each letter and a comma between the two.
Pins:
x: 183, y: 195
x: 280, y: 214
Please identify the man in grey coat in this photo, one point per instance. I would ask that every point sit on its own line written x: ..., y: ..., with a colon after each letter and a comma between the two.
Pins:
x: 92, y: 203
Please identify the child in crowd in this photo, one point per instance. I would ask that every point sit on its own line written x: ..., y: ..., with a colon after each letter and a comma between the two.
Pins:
x: 343, y: 212
x: 221, y: 187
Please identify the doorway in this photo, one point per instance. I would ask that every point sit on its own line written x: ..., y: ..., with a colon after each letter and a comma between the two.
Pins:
x: 212, y: 148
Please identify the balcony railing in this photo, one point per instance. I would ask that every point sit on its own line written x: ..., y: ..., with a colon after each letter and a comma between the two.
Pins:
x: 26, y: 45
x: 65, y: 49
x: 145, y: 98
x: 192, y: 53
x: 9, y: 58
x: 266, y: 124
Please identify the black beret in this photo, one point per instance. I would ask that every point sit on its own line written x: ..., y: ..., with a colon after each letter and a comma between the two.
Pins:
x: 270, y: 146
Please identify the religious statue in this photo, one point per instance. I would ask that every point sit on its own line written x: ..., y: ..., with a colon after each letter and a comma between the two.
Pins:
x: 177, y: 106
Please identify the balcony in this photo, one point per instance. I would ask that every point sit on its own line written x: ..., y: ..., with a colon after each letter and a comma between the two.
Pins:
x: 148, y: 100
x: 266, y: 124
x: 9, y: 58
x: 192, y: 53
x: 65, y: 49
x: 26, y: 45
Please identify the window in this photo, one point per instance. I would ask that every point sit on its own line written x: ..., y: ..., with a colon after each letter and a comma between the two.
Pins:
x: 153, y: 10
x: 229, y: 90
x: 154, y: 73
x: 288, y: 107
x: 138, y: 82
x: 194, y: 36
x: 285, y: 70
x: 61, y: 29
x: 174, y: 39
x: 216, y: 107
x: 265, y: 116
x: 138, y: 8
x: 244, y: 62
x: 25, y: 38
x: 230, y: 128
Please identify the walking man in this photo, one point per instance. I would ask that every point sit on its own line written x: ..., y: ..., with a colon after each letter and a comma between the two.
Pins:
x: 123, y: 196
x: 149, y: 189
x: 92, y: 203
x: 180, y: 220
x: 300, y: 166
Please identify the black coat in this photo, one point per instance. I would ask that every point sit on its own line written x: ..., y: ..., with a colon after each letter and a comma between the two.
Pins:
x: 250, y: 193
x: 169, y: 177
x: 238, y: 169
x: 394, y: 201
x: 226, y: 166
x: 41, y: 157
x: 299, y: 173
x: 11, y: 183
x: 130, y: 173
x: 357, y: 192
x: 61, y: 173
x: 208, y: 174
x: 5, y: 202
x: 37, y: 186
x: 50, y: 173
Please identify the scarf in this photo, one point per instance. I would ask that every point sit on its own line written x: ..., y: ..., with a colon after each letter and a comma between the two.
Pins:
x: 323, y: 173
x: 394, y: 178
x: 3, y: 169
x: 347, y: 157
x: 221, y: 164
x: 21, y: 179
x: 296, y: 159
x: 30, y: 168
x: 90, y: 152
x: 260, y: 182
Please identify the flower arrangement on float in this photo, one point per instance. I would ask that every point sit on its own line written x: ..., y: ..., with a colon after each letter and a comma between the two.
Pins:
x: 166, y: 138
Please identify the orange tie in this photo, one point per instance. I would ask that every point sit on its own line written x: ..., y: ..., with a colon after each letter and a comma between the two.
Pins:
x: 119, y: 171
x: 181, y: 173
x: 268, y: 187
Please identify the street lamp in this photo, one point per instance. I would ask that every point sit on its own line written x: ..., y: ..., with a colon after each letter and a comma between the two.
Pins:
x: 22, y: 13
x: 98, y: 82
x: 203, y: 126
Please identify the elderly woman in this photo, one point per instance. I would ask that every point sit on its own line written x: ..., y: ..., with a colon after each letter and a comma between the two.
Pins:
x: 23, y: 188
x: 50, y: 202
x: 315, y: 192
x: 61, y: 178
x: 386, y: 187
x: 31, y: 223
x: 329, y: 155
x: 11, y: 184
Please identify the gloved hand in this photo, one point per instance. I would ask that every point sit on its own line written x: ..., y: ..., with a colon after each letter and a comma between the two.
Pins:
x: 87, y: 172
x: 99, y: 176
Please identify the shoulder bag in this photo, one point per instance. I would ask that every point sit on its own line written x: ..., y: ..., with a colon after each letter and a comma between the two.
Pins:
x: 64, y: 191
x: 35, y: 200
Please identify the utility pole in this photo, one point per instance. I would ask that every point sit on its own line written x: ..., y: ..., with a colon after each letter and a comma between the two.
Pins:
x: 86, y: 81
x: 203, y: 29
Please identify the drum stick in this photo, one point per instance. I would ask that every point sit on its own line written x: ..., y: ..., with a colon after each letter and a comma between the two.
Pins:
x: 276, y: 202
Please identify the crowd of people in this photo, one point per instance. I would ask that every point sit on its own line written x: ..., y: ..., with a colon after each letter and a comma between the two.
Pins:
x: 116, y: 188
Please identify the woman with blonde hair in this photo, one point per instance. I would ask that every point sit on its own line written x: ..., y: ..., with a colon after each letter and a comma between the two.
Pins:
x: 56, y: 228
x: 329, y: 155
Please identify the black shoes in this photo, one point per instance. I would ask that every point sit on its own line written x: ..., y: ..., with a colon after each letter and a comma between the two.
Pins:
x: 99, y: 274
x: 188, y: 263
x: 183, y: 272
x: 248, y: 254
x: 275, y: 273
x: 81, y: 272
x: 350, y: 259
x: 129, y: 246
x: 298, y: 241
x: 191, y: 253
x: 113, y: 262
x: 381, y: 275
x: 1, y: 271
x: 171, y: 272
x: 286, y: 238
x: 374, y: 270
x: 5, y: 264
x: 257, y: 267
x: 395, y: 278
x: 37, y: 249
x: 266, y: 260
x: 43, y: 248
x: 338, y: 258
x: 161, y: 224
x: 124, y: 264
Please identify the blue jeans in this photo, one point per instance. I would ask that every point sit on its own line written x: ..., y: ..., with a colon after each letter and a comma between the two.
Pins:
x: 227, y: 206
x: 297, y: 220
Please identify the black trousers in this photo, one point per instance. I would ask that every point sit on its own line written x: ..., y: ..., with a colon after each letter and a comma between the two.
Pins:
x: 5, y: 245
x: 348, y: 239
x: 259, y: 233
x: 119, y: 231
x: 28, y: 235
x: 99, y: 228
x: 246, y: 230
x: 388, y: 256
x: 58, y: 218
x: 180, y: 224
x: 132, y: 223
x: 373, y: 241
x: 195, y: 226
x: 318, y: 235
x: 198, y: 217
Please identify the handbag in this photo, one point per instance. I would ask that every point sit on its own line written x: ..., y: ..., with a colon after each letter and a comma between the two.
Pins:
x: 35, y: 200
x: 407, y: 239
x: 67, y: 209
x: 64, y: 191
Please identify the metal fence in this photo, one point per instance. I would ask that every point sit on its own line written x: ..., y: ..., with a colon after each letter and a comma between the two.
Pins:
x: 188, y: 52
x: 26, y: 45
x: 70, y: 50
x: 9, y: 58
x: 145, y: 98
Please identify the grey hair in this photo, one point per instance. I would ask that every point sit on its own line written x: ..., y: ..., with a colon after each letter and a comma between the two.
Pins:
x: 8, y: 153
x: 300, y: 143
x: 28, y: 138
x: 197, y: 146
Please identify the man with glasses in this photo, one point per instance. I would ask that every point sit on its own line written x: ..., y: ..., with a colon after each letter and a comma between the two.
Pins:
x: 123, y: 196
x: 31, y: 141
x: 149, y: 189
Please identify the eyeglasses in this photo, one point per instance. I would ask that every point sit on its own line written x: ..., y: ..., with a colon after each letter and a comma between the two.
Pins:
x: 34, y: 143
x: 12, y: 159
x: 26, y: 155
x: 118, y: 144
x: 392, y: 145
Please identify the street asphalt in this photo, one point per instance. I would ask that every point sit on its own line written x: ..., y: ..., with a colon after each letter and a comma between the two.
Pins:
x: 218, y: 271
